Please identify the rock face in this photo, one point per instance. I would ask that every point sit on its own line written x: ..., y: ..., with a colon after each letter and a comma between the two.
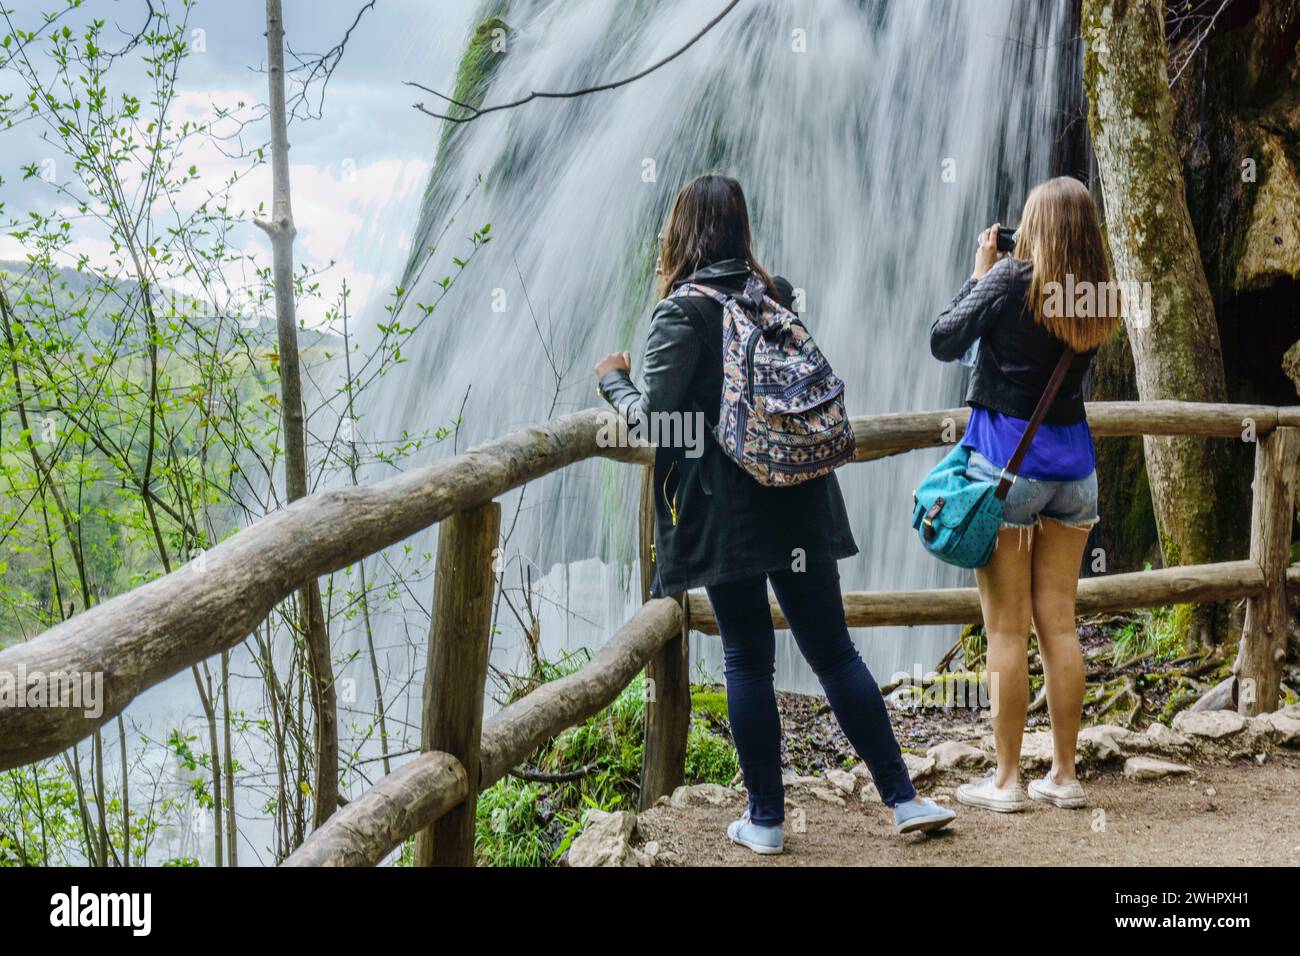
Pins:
x: 1271, y: 249
x: 606, y: 840
x: 955, y: 755
x: 1148, y: 768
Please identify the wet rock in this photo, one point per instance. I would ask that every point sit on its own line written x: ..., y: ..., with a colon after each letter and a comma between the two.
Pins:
x: 606, y: 840
x: 1149, y: 768
x: 954, y: 755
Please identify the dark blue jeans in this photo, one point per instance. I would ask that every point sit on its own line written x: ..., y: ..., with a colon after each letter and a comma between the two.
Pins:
x: 814, y: 607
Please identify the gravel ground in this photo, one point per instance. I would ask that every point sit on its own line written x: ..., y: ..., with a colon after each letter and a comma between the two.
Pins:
x: 1225, y: 813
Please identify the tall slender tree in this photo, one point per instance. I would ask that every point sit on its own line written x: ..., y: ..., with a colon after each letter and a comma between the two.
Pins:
x: 1176, y: 348
x: 281, y: 231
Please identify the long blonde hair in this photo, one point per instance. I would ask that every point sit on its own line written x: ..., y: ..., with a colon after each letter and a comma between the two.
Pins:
x: 1060, y: 234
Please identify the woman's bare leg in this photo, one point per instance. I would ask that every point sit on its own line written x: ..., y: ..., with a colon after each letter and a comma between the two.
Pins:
x: 1004, y: 585
x: 1058, y: 551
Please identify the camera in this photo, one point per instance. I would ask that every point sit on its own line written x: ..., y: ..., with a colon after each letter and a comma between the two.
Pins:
x: 1006, y: 238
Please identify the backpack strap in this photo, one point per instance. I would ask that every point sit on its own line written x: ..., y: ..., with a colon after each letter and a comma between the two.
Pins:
x: 1009, y: 473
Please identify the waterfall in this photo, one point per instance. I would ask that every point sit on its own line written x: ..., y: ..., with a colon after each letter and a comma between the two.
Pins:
x: 873, y: 140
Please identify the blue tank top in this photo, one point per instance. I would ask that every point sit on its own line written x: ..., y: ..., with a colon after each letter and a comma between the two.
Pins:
x: 1057, y: 453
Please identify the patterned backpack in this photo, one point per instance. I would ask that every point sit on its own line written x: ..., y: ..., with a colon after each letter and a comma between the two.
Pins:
x: 782, y: 417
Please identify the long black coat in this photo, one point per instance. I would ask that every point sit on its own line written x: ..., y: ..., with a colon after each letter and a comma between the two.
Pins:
x: 713, y: 522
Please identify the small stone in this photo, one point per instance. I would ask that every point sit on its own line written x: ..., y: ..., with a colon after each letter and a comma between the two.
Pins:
x: 1161, y: 738
x: 1260, y: 758
x: 714, y: 794
x: 1104, y: 742
x: 841, y: 780
x: 919, y: 769
x: 606, y: 840
x: 1036, y: 751
x: 827, y: 795
x: 1285, y: 725
x: 1209, y: 724
x: 954, y: 755
x: 791, y: 779
x: 869, y: 793
x: 1211, y: 792
x: 1148, y: 768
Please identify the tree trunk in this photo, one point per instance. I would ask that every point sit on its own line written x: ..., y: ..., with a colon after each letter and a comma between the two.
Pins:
x: 1176, y: 348
x: 1262, y: 653
x: 281, y: 231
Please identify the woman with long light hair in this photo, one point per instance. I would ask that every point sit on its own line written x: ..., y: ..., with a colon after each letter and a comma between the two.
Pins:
x: 1052, y: 292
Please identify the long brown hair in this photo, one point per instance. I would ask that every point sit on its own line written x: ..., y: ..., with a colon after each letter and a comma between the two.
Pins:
x: 1059, y: 233
x: 709, y: 222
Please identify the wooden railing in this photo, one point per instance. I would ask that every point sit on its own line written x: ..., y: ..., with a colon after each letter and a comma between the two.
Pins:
x: 142, y: 637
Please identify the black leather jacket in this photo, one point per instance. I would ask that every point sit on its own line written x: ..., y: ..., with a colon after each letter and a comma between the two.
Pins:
x: 1017, y: 353
x: 713, y: 522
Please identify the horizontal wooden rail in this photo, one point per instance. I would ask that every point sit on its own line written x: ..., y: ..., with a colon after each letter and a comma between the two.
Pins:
x: 372, y: 826
x: 515, y: 732
x: 140, y: 638
x: 1115, y: 592
x: 146, y: 635
x: 880, y: 436
x: 410, y: 799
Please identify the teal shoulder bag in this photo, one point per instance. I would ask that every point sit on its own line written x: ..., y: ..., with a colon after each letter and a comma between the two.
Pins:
x: 957, y: 519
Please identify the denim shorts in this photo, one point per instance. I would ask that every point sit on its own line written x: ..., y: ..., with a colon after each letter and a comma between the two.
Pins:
x: 1072, y: 503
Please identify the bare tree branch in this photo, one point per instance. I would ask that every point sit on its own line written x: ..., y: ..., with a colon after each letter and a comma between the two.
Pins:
x: 475, y: 112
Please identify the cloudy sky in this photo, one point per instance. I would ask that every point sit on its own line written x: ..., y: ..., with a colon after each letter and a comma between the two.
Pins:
x: 357, y: 173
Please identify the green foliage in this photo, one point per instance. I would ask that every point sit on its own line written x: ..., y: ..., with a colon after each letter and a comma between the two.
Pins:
x: 1150, y: 631
x: 527, y: 823
x: 709, y: 758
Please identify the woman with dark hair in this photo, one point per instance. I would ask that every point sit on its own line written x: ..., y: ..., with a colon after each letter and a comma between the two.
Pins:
x: 718, y: 528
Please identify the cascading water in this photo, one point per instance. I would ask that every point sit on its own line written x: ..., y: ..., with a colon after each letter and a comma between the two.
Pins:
x: 873, y: 140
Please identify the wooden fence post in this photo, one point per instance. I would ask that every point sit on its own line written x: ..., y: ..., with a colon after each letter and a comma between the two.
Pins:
x: 1263, y: 641
x: 459, y: 641
x: 668, y: 684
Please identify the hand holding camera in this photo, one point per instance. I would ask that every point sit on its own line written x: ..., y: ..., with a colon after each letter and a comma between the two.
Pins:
x: 995, y: 242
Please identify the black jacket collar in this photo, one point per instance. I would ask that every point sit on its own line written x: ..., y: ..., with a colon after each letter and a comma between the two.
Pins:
x: 718, y: 270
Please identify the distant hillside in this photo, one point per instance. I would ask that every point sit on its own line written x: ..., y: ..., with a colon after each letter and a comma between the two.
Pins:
x: 103, y: 299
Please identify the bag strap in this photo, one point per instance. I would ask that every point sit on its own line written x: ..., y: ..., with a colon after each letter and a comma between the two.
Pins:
x: 1009, y: 473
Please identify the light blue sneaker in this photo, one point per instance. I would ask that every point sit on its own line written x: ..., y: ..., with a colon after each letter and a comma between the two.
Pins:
x: 765, y: 841
x: 921, y: 815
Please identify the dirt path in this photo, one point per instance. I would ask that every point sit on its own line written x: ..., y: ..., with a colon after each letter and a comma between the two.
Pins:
x: 1236, y: 813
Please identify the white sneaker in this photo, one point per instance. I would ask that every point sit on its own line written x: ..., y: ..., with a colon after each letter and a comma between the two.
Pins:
x: 1068, y: 796
x: 984, y: 793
